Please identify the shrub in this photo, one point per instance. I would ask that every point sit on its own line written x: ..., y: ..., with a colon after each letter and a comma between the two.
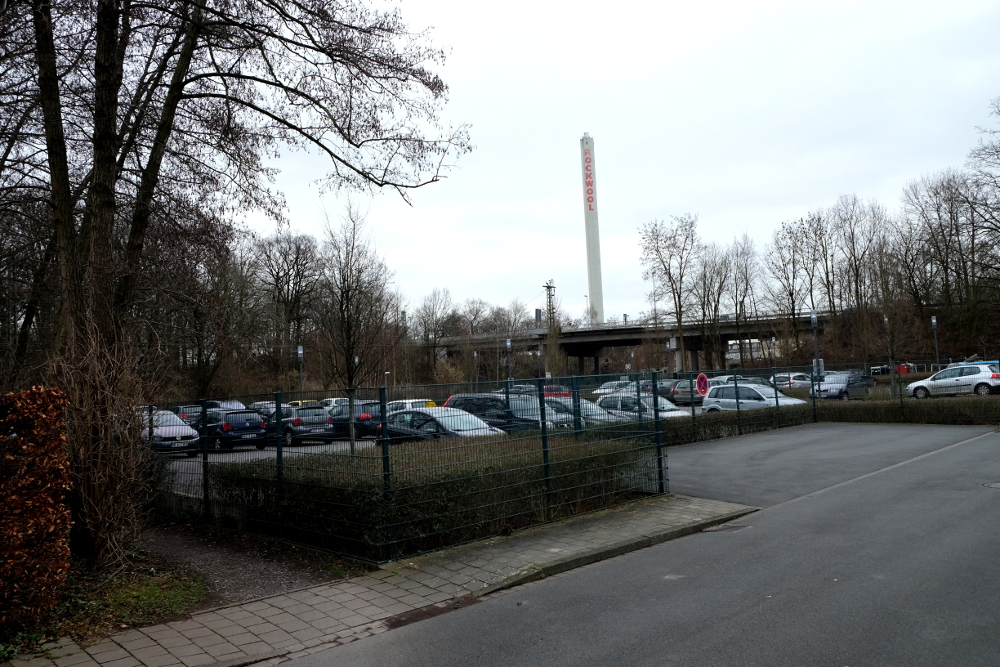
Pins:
x: 34, y: 521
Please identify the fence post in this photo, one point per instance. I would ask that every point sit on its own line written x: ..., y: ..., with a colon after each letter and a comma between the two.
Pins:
x: 694, y: 419
x: 545, y: 447
x: 661, y: 477
x: 577, y: 426
x: 777, y: 407
x: 736, y: 386
x: 814, y: 389
x: 386, y: 469
x: 204, y: 459
x: 279, y: 434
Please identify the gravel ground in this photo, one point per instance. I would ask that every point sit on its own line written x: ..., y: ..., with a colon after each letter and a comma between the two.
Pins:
x: 239, y: 567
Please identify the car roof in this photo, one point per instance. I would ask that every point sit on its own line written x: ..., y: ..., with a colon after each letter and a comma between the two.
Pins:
x: 440, y: 412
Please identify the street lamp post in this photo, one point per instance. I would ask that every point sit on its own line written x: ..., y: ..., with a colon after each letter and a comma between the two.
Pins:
x: 586, y: 305
x: 510, y: 375
x: 937, y: 357
x: 814, y: 320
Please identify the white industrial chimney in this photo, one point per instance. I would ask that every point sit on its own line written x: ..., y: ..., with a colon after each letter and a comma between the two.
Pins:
x: 594, y: 283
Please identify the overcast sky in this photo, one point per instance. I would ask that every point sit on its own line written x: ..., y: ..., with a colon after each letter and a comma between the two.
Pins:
x: 743, y: 113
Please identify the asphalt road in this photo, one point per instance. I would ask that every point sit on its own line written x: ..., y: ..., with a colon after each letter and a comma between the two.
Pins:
x: 878, y: 547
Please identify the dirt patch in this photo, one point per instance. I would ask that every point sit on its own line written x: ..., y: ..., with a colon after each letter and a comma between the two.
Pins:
x: 237, y: 567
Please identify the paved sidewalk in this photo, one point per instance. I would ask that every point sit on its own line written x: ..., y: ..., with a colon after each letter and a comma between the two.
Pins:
x: 286, y: 626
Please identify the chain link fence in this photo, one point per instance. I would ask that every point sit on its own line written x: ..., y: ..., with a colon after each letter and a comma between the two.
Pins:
x: 379, y: 473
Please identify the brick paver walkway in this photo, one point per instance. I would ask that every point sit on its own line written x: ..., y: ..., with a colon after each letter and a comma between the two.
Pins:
x: 282, y: 627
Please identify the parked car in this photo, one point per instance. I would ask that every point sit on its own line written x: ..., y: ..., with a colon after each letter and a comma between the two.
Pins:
x: 410, y: 404
x: 627, y: 405
x: 266, y: 408
x: 662, y: 386
x: 306, y: 404
x: 432, y: 423
x: 188, y: 413
x: 169, y: 433
x: 224, y: 429
x: 591, y: 414
x: 750, y: 397
x: 865, y: 377
x: 300, y: 426
x: 366, y: 417
x: 225, y: 404
x: 331, y: 402
x: 556, y: 414
x: 491, y: 409
x: 517, y: 389
x: 556, y: 390
x: 792, y: 380
x: 683, y: 392
x: 979, y: 379
x: 612, y: 387
x: 840, y: 386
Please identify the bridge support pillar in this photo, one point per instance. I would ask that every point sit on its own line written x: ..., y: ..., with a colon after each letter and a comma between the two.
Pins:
x: 580, y: 370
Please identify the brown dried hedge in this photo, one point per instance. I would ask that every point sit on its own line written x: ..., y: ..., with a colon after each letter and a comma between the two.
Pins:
x: 34, y: 520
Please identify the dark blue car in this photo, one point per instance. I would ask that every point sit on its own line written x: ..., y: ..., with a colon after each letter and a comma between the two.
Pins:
x: 224, y: 429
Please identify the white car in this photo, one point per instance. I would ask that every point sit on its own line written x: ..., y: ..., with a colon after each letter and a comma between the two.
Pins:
x: 979, y: 379
x: 750, y: 397
x: 333, y: 402
x: 612, y: 387
x: 627, y: 405
x: 409, y: 404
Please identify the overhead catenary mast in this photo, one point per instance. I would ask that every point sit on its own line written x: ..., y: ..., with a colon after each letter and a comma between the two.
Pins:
x: 594, y: 283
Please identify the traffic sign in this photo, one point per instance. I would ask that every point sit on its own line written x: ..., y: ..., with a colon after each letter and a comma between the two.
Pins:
x: 702, y: 384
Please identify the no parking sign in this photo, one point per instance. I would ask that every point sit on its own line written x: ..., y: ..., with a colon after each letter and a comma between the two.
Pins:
x: 702, y: 384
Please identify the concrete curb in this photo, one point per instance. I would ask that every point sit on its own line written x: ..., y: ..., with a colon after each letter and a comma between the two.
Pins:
x: 540, y: 571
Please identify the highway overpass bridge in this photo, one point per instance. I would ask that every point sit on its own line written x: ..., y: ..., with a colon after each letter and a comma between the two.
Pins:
x: 590, y: 343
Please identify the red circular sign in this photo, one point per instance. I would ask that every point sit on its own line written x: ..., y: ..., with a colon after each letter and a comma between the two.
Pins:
x: 702, y: 384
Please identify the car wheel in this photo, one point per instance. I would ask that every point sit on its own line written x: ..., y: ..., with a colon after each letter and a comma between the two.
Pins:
x: 192, y: 452
x: 920, y: 392
x: 216, y: 444
x: 261, y: 445
x: 983, y: 390
x: 288, y: 439
x: 845, y: 396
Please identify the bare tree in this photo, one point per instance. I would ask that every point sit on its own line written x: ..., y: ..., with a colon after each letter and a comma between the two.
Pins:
x: 355, y: 309
x: 668, y: 255
x: 431, y: 321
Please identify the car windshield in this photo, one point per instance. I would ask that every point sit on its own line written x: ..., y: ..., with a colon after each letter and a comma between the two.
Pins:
x: 166, y: 419
x: 588, y: 409
x: 664, y: 403
x: 767, y: 392
x: 466, y: 422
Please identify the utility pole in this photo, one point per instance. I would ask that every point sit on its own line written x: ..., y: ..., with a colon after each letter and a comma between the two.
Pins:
x: 302, y: 381
x: 406, y: 352
x: 550, y: 304
x: 937, y: 357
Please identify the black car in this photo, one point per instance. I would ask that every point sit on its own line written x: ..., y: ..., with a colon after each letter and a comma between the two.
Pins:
x: 433, y: 423
x: 224, y: 429
x: 367, y: 416
x: 300, y: 426
x: 493, y: 410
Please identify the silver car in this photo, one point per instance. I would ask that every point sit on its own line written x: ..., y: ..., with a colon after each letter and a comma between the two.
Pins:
x: 627, y: 405
x: 979, y: 379
x: 792, y: 380
x: 750, y: 397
